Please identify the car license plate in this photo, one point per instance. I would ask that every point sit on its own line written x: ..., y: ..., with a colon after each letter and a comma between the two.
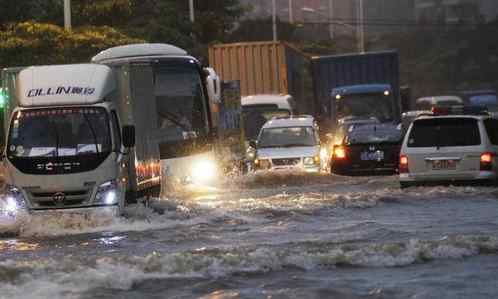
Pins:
x: 372, y: 156
x: 443, y: 165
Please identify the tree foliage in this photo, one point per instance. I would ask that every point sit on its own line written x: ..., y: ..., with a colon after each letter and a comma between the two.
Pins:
x: 163, y: 21
x: 31, y: 43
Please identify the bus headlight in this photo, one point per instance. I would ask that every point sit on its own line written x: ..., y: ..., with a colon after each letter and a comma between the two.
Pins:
x: 107, y: 193
x: 204, y: 169
x: 12, y: 201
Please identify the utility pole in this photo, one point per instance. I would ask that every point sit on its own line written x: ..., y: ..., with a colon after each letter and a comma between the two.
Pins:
x: 67, y: 15
x: 331, y: 18
x: 274, y: 20
x: 291, y: 12
x: 191, y: 9
x: 361, y: 27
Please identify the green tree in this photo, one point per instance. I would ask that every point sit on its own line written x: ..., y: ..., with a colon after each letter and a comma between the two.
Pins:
x: 31, y: 43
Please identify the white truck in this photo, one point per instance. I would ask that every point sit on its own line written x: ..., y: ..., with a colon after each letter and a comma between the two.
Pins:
x: 72, y: 128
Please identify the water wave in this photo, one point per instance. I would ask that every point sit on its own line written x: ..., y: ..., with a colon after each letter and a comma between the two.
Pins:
x: 73, y: 276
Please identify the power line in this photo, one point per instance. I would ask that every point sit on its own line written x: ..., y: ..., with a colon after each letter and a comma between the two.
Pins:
x: 392, y: 23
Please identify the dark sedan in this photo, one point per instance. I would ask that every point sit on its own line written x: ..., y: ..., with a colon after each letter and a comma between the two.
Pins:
x: 368, y: 149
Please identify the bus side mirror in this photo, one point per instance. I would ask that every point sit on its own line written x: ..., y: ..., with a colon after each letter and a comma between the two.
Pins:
x: 128, y: 134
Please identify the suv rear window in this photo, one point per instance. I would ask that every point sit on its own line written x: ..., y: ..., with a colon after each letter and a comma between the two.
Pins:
x: 492, y: 130
x: 441, y: 132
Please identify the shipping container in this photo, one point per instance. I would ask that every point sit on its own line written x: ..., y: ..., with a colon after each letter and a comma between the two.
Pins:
x: 330, y: 72
x: 266, y: 68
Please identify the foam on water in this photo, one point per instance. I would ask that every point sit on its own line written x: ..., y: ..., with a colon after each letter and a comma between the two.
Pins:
x: 73, y: 276
x: 254, y: 204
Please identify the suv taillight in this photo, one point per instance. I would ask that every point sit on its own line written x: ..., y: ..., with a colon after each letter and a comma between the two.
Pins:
x: 403, y: 164
x: 486, y: 161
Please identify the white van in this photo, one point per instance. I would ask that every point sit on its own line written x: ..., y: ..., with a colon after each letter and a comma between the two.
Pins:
x: 450, y: 147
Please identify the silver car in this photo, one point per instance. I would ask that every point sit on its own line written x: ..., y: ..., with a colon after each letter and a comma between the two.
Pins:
x: 453, y: 148
x: 289, y: 143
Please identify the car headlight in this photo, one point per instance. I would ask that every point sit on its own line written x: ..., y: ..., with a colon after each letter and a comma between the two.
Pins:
x: 251, y: 153
x: 311, y: 160
x: 107, y: 193
x: 12, y: 200
x: 262, y: 163
x: 204, y: 169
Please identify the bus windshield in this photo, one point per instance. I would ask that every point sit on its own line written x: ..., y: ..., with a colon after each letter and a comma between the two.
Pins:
x: 179, y: 97
x: 59, y: 132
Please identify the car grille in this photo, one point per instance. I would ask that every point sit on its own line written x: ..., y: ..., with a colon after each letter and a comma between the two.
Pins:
x: 46, y: 199
x: 285, y: 162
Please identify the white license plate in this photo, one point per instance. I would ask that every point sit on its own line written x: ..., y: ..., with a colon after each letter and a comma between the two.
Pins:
x: 444, y: 165
x: 372, y: 156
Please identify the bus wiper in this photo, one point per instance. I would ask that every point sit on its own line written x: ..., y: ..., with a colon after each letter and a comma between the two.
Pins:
x: 93, y: 132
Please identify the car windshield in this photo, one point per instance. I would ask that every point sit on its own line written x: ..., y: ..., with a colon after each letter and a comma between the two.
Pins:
x: 288, y: 137
x: 373, y: 135
x: 59, y: 132
x: 375, y: 105
x: 442, y: 132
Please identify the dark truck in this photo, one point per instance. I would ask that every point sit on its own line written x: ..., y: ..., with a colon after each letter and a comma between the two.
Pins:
x: 357, y: 86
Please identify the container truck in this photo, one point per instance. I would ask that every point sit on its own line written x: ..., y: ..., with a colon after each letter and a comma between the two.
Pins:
x: 70, y: 142
x: 267, y: 68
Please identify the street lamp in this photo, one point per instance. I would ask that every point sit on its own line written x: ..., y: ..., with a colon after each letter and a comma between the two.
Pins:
x: 359, y: 29
x: 274, y: 20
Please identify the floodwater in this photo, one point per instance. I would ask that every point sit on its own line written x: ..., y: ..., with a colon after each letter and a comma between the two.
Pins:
x: 267, y: 237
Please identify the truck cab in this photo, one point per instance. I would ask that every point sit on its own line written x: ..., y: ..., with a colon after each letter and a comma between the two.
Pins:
x: 366, y: 101
x: 64, y: 146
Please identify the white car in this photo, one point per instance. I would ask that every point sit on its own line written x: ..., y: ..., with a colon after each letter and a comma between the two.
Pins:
x: 289, y: 143
x: 450, y: 147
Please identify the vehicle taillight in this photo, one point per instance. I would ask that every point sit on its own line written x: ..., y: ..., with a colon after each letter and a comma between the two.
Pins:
x: 486, y: 161
x: 403, y: 164
x: 440, y: 110
x: 339, y: 153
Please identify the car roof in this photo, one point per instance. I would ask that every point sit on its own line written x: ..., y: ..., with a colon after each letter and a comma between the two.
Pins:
x: 436, y: 99
x: 261, y: 99
x: 455, y: 116
x: 296, y: 121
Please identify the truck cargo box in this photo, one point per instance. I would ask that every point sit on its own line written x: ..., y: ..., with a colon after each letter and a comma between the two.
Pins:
x: 266, y: 68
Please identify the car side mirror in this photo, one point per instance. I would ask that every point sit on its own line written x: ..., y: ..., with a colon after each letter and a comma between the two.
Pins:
x: 128, y: 133
x: 253, y: 144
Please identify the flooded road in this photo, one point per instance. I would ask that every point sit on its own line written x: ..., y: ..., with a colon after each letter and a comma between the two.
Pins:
x: 268, y: 237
